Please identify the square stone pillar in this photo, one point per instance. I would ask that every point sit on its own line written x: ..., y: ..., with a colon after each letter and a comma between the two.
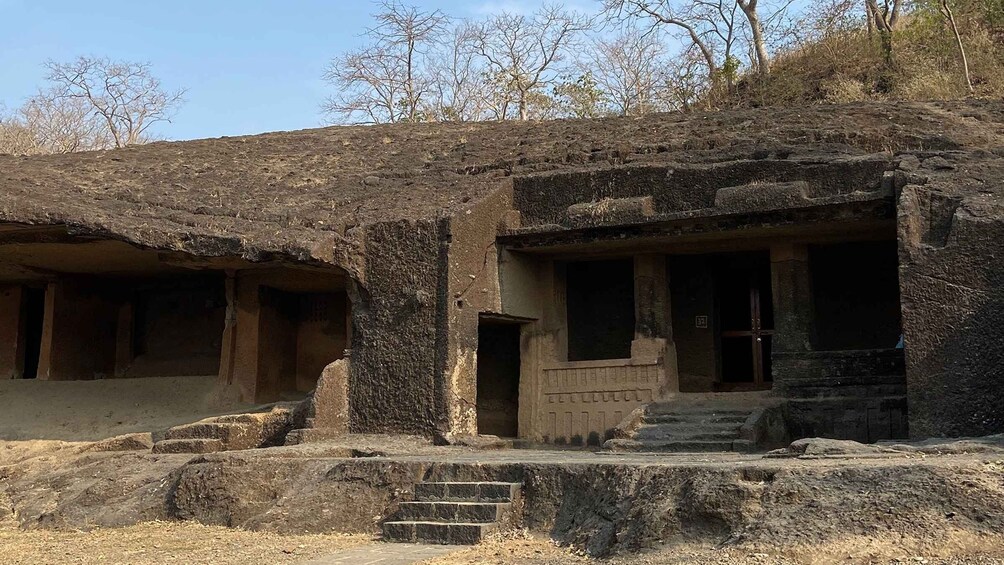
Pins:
x: 11, y: 332
x: 792, y: 292
x: 653, y: 336
x: 243, y: 367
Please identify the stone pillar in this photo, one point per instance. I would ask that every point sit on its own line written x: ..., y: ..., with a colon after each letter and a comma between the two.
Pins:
x: 11, y: 332
x: 45, y: 356
x: 651, y: 297
x: 229, y: 345
x: 543, y: 342
x: 792, y: 292
x: 244, y: 371
x: 653, y: 336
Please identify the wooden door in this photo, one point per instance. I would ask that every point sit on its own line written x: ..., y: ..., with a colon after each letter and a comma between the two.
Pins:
x: 746, y: 322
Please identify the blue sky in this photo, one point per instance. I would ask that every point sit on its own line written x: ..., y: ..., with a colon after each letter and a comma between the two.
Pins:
x: 249, y: 66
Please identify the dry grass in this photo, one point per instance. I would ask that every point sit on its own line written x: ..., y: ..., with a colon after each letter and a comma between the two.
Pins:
x: 850, y: 66
x: 517, y: 547
x: 153, y: 543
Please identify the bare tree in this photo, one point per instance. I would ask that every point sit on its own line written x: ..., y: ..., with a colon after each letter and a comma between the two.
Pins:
x: 884, y: 18
x: 887, y: 14
x: 685, y: 85
x: 369, y: 87
x: 459, y: 85
x: 15, y: 137
x: 722, y: 28
x: 580, y: 97
x: 386, y: 80
x: 946, y: 10
x: 676, y: 13
x: 523, y: 54
x: 759, y: 44
x: 630, y: 68
x: 48, y: 123
x: 829, y: 18
x: 125, y: 95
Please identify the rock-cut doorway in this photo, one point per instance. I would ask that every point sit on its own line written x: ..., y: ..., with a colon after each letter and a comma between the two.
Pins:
x: 498, y: 378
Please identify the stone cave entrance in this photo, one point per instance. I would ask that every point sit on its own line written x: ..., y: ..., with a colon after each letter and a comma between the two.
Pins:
x: 723, y: 320
x: 32, y: 318
x: 300, y: 333
x: 498, y: 377
x: 745, y: 312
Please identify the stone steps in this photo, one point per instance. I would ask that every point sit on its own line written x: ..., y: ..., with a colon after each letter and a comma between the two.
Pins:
x: 713, y: 423
x: 733, y: 417
x: 191, y: 445
x: 229, y: 433
x: 437, y: 532
x: 473, y: 512
x: 460, y: 513
x: 681, y: 446
x: 664, y: 433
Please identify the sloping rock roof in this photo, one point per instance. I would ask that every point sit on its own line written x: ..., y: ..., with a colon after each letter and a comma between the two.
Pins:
x: 302, y: 193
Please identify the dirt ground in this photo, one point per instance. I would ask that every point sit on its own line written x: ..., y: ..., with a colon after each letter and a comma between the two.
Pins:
x: 182, y: 542
x: 94, y: 410
x: 529, y: 550
x: 165, y: 542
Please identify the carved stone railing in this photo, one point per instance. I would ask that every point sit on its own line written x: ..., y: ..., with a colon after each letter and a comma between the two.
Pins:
x: 584, y: 400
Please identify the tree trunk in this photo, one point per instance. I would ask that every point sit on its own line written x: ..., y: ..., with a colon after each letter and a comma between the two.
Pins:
x: 884, y: 25
x: 749, y: 7
x: 870, y: 18
x: 958, y: 41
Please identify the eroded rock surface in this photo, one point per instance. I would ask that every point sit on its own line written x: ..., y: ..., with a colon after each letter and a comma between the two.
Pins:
x: 603, y: 504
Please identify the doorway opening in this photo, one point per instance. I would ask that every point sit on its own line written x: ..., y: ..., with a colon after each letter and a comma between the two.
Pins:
x: 745, y: 312
x: 33, y: 315
x: 300, y: 334
x: 600, y: 306
x: 498, y: 378
x: 175, y: 327
x: 855, y: 290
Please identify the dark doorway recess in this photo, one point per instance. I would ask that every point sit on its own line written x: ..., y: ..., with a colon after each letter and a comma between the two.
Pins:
x: 33, y: 316
x: 498, y: 378
x: 600, y: 304
x: 300, y: 334
x: 855, y: 288
x: 177, y: 327
x: 745, y: 320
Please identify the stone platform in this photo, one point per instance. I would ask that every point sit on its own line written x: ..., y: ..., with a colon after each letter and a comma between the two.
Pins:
x: 600, y: 502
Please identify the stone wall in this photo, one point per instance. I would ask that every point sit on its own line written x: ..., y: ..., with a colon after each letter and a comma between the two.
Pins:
x: 858, y: 395
x: 399, y: 330
x: 471, y: 288
x: 952, y: 284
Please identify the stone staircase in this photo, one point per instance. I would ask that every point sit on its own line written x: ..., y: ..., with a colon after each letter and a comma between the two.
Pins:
x: 230, y: 432
x: 694, y: 423
x: 457, y: 513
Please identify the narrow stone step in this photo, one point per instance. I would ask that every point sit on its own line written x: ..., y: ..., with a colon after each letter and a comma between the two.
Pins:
x: 224, y: 432
x: 683, y: 446
x: 463, y: 512
x: 466, y: 492
x: 709, y: 418
x: 188, y: 446
x: 664, y: 433
x: 446, y: 533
